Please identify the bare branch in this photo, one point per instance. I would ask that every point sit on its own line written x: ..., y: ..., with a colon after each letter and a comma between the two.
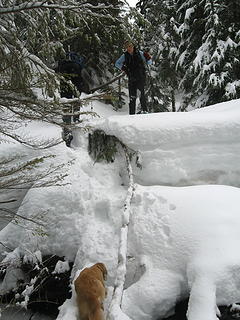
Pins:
x: 2, y: 244
x: 13, y: 214
x: 8, y: 201
x: 38, y: 145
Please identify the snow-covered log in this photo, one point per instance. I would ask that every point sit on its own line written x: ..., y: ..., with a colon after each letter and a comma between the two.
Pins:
x: 122, y: 253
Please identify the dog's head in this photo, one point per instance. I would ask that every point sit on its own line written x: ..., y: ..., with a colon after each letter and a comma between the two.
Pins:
x: 103, y: 269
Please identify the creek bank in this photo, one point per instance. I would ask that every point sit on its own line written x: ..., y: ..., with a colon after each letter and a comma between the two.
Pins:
x: 230, y: 312
x: 43, y: 288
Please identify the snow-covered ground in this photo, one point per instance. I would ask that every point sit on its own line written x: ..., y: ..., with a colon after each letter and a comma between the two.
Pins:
x: 185, y: 213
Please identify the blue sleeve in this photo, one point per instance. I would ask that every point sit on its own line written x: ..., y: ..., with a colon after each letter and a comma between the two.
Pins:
x: 146, y: 61
x: 119, y: 63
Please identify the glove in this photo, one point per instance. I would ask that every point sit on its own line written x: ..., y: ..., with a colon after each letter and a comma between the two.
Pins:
x: 147, y: 56
x: 124, y: 69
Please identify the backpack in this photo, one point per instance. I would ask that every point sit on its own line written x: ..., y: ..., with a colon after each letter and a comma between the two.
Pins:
x: 69, y: 68
x: 76, y: 58
x: 73, y: 68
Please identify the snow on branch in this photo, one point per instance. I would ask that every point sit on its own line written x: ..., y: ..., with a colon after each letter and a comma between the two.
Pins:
x: 43, y: 5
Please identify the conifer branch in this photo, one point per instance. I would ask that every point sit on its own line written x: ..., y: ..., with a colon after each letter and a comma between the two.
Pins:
x: 16, y: 215
x: 43, y: 5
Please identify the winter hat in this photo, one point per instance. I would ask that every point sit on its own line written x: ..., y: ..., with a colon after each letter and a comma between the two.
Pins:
x: 127, y: 43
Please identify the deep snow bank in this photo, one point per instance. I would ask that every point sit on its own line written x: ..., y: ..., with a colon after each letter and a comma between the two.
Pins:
x: 180, y: 149
x: 181, y: 241
x: 187, y: 241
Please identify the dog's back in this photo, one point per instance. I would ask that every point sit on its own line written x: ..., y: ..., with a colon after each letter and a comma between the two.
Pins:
x: 90, y: 291
x: 90, y: 308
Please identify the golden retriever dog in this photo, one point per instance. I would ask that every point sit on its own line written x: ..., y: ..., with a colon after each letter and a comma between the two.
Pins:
x: 91, y: 292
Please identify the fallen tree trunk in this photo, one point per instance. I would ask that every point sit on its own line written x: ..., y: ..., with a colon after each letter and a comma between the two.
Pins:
x: 107, y: 83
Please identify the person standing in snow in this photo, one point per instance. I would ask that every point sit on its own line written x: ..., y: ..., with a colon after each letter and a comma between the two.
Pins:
x: 133, y: 61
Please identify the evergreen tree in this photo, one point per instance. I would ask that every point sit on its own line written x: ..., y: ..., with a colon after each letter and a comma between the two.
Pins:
x: 97, y: 39
x: 195, y: 49
x: 33, y: 38
x: 161, y: 37
x: 209, y: 51
x: 33, y: 35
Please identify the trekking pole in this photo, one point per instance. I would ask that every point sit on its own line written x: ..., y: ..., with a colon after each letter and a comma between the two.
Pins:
x: 119, y: 93
x: 69, y: 58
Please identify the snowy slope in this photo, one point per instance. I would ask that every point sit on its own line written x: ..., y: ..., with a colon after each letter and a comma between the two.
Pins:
x: 180, y: 240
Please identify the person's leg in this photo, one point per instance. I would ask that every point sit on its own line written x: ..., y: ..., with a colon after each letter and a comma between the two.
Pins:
x: 142, y: 96
x: 75, y: 117
x: 66, y: 118
x: 132, y: 88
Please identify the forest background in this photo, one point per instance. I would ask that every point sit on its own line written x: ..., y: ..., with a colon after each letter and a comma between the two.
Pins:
x: 194, y: 44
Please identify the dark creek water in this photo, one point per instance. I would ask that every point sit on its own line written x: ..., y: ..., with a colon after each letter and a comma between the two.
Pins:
x: 15, y: 313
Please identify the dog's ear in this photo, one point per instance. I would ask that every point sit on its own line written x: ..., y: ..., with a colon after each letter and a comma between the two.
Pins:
x: 104, y: 272
x: 103, y: 268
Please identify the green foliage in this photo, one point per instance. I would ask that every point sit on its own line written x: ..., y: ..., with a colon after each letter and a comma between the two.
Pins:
x: 102, y: 146
x: 209, y: 51
x: 31, y: 41
x: 160, y: 36
x: 18, y: 172
x: 195, y: 49
x: 97, y: 39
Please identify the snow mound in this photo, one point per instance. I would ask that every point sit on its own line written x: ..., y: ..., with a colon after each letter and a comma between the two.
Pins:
x: 187, y: 239
x: 180, y: 149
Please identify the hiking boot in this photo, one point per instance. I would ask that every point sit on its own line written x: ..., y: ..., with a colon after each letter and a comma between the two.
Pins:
x: 67, y: 136
x: 68, y: 140
x: 142, y: 112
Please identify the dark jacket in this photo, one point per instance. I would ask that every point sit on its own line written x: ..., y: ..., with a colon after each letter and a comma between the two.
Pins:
x: 134, y: 65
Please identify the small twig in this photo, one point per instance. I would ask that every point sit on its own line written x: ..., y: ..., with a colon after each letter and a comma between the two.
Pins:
x: 5, y: 246
x: 8, y: 201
